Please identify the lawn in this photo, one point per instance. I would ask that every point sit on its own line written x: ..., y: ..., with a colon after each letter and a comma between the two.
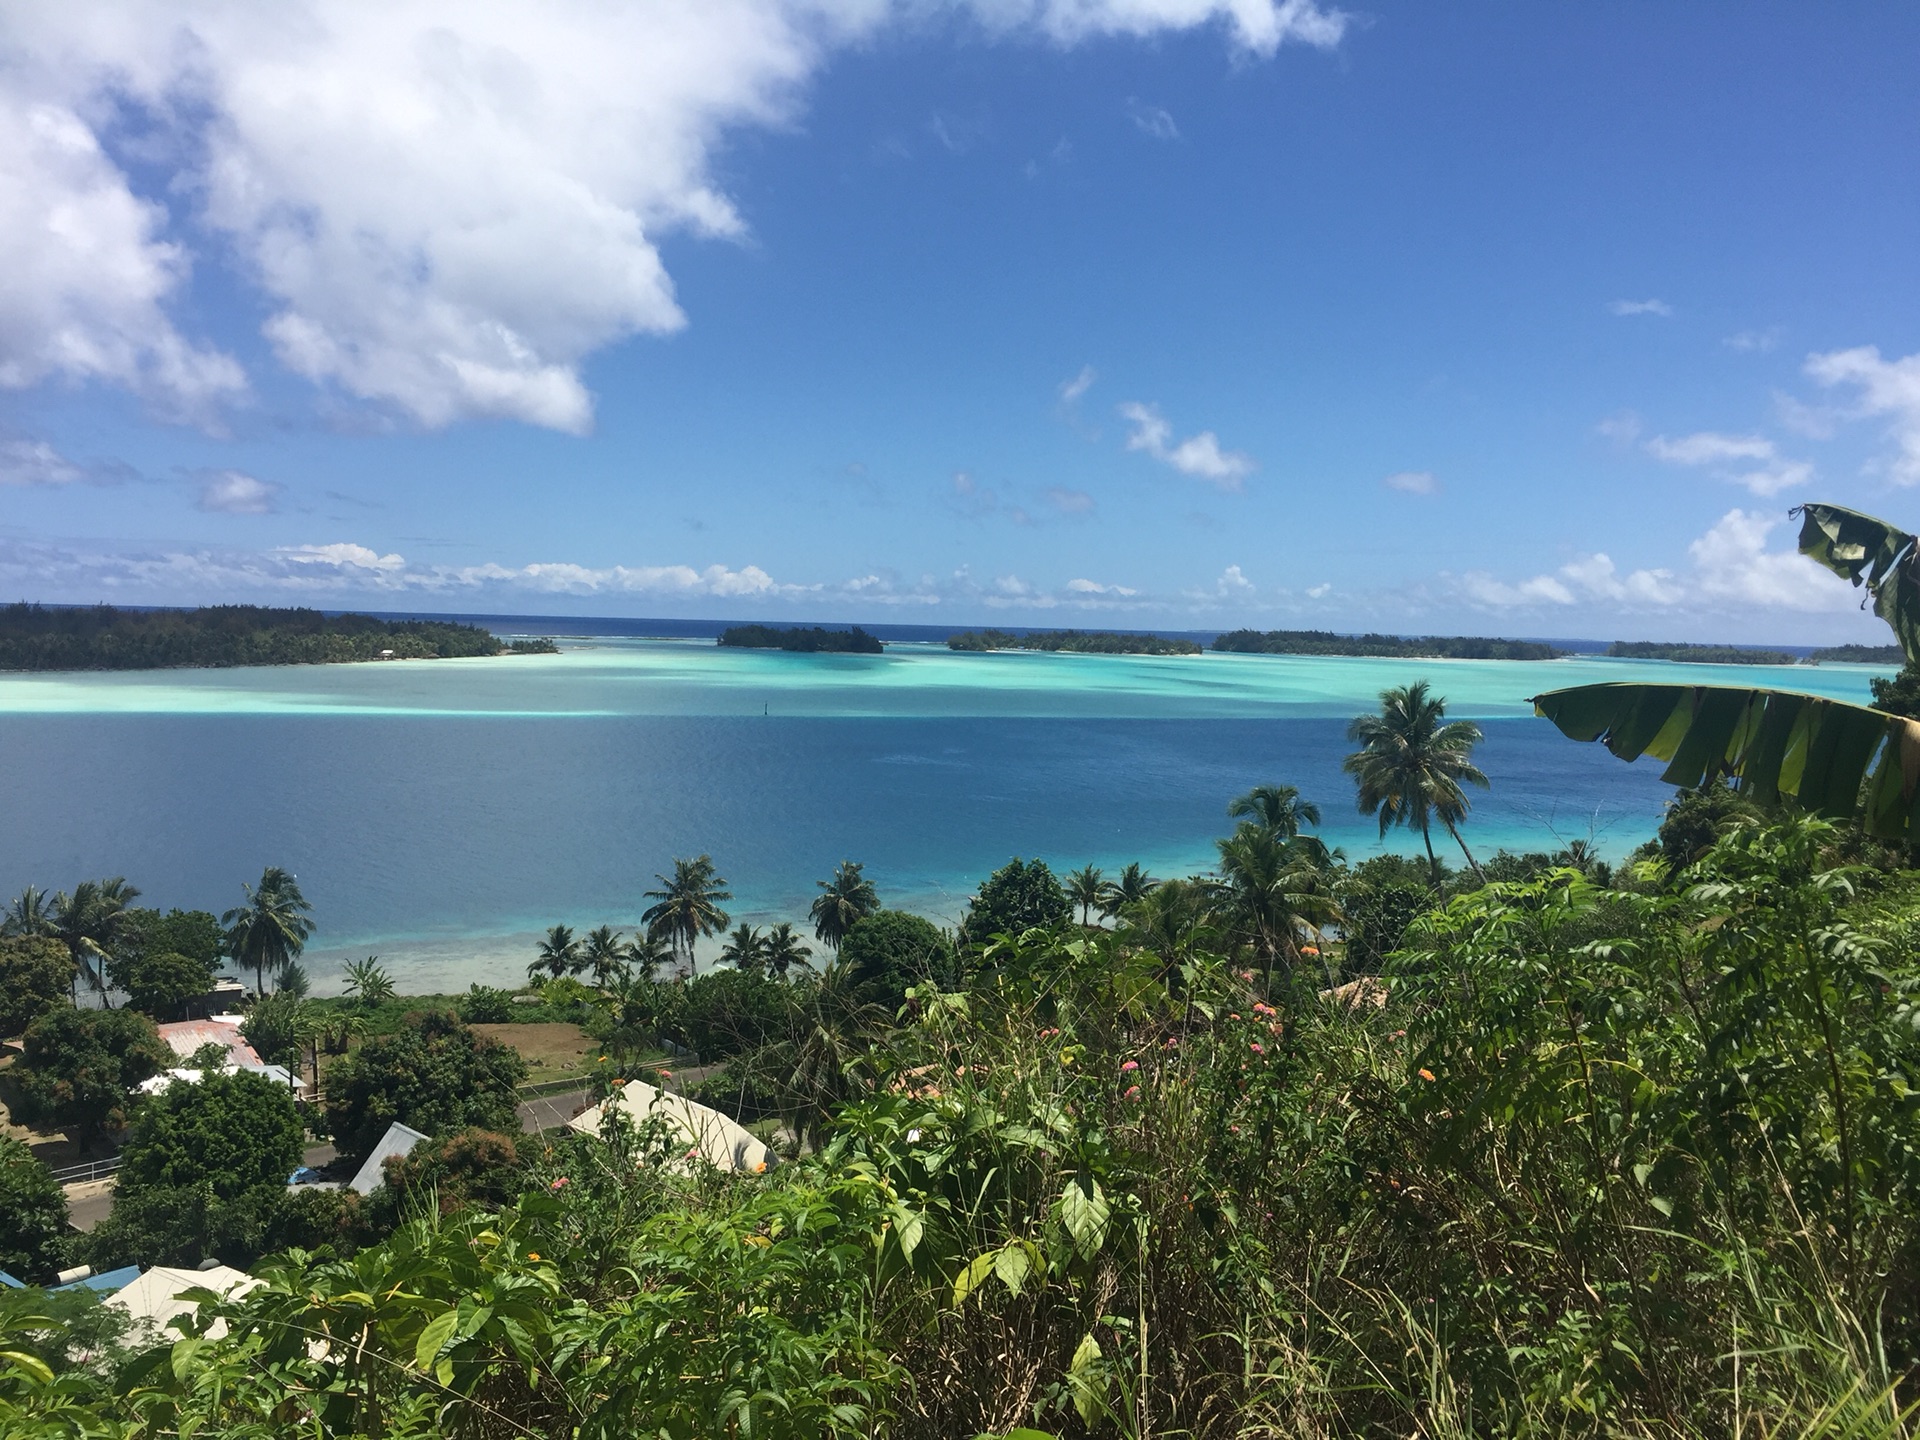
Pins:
x: 552, y: 1049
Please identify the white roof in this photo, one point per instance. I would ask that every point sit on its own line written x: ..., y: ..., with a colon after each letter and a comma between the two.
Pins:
x: 166, y: 1079
x: 154, y: 1299
x: 706, y: 1133
x: 399, y: 1140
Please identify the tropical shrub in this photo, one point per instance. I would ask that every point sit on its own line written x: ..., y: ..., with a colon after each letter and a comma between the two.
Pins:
x: 231, y: 1133
x: 1021, y: 895
x: 727, y: 1012
x: 78, y: 1068
x: 436, y: 1075
x: 36, y: 976
x: 890, y: 950
x: 484, y: 1005
x: 161, y: 982
x: 33, y: 1214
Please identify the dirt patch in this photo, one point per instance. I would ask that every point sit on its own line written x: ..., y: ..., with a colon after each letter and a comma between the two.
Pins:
x: 551, y: 1049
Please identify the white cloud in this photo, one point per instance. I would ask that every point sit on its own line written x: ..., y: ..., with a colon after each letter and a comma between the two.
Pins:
x: 448, y: 208
x: 84, y: 273
x: 1412, y: 482
x: 1641, y: 307
x: 1889, y: 388
x: 233, y: 493
x: 1198, y: 456
x: 1732, y: 567
x: 1152, y: 120
x: 1230, y: 587
x: 35, y: 462
x: 1775, y: 472
x: 1754, y: 342
x: 1316, y: 592
x: 1092, y: 587
x: 1072, y: 390
x: 1070, y: 502
x: 1622, y: 427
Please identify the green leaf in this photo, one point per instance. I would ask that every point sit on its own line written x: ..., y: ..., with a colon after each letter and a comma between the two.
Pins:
x: 1828, y: 756
x: 908, y: 1227
x: 977, y: 1269
x: 1868, y: 551
x: 1013, y: 1264
x: 1085, y: 1212
x: 1087, y: 1379
x: 439, y: 1330
x: 32, y: 1364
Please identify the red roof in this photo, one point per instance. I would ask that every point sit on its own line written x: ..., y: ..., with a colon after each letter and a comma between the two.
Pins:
x: 187, y: 1036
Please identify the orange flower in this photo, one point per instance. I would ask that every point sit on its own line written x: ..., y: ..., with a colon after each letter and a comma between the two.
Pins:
x: 1425, y: 1074
x: 533, y: 1254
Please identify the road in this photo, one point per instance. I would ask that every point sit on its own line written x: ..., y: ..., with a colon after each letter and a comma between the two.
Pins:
x: 89, y: 1204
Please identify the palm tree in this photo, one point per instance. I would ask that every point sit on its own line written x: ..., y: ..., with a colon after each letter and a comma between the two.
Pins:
x: 1169, y: 919
x: 688, y: 906
x: 646, y: 953
x: 89, y: 921
x: 828, y: 1049
x: 1410, y: 765
x: 271, y: 929
x: 559, y: 955
x: 745, y: 949
x: 1133, y: 886
x: 1086, y: 889
x: 29, y: 915
x: 1277, y: 891
x: 1278, y: 808
x: 783, y: 949
x: 605, y: 955
x: 848, y: 897
x: 367, y: 982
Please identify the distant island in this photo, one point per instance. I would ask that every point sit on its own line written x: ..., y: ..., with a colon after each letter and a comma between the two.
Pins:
x: 1698, y: 654
x: 1080, y: 642
x: 102, y: 637
x: 1393, y: 647
x: 1860, y: 655
x: 810, y: 641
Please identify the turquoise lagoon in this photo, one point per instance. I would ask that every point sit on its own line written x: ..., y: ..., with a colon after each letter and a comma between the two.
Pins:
x: 442, y: 813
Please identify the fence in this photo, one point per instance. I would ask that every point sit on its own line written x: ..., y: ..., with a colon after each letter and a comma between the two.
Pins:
x: 88, y: 1170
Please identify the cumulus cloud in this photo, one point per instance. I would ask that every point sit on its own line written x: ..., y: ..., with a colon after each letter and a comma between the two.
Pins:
x: 1768, y: 474
x: 1641, y: 307
x: 1152, y: 120
x: 1882, y: 388
x: 1732, y: 567
x: 232, y: 492
x: 1412, y: 482
x: 1198, y: 456
x: 447, y: 209
x: 35, y: 462
x: 1093, y: 587
x: 84, y: 272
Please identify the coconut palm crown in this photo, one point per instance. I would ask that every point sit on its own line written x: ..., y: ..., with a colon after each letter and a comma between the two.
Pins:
x: 687, y: 906
x: 1278, y: 808
x: 271, y: 929
x: 847, y: 897
x: 1411, y: 764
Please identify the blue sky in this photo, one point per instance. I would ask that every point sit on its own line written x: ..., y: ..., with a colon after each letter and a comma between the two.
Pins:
x: 1438, y: 318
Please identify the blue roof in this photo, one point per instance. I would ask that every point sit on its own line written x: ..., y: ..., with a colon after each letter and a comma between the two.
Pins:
x: 11, y: 1283
x: 107, y: 1284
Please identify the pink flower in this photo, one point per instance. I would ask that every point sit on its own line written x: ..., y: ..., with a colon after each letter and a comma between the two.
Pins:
x: 558, y: 1183
x: 1258, y: 1048
x: 1131, y: 1065
x: 1133, y: 1093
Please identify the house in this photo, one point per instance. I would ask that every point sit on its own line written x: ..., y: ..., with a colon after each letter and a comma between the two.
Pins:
x: 399, y: 1140
x: 704, y: 1131
x: 278, y: 1074
x: 186, y: 1036
x: 154, y: 1299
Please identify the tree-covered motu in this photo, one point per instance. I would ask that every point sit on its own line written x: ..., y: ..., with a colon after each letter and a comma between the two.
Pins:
x: 1599, y: 1161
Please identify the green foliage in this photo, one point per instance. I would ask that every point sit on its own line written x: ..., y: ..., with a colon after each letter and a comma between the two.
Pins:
x: 103, y: 638
x: 1411, y: 765
x: 687, y: 906
x: 232, y: 1132
x: 1868, y: 551
x: 1021, y: 895
x: 271, y: 929
x: 1898, y: 694
x: 1431, y: 647
x: 726, y: 1012
x: 193, y: 933
x: 368, y: 982
x: 78, y: 1068
x: 1080, y: 642
x: 467, y: 1167
x: 805, y: 640
x: 1698, y: 654
x: 277, y: 1025
x: 160, y: 983
x: 185, y: 1225
x: 484, y: 1005
x: 841, y: 903
x: 1696, y: 819
x: 33, y: 1215
x: 1378, y: 913
x: 436, y: 1075
x: 36, y: 976
x: 890, y: 951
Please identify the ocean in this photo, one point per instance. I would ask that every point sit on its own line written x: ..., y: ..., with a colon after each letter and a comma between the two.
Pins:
x: 440, y: 814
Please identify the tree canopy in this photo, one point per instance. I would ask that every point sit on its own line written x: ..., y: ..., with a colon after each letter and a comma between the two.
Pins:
x: 78, y: 1068
x: 36, y: 976
x: 232, y: 1132
x: 1021, y: 895
x: 435, y: 1075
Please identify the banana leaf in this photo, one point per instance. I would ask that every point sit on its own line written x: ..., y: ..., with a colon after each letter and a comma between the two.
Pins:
x: 1826, y: 756
x: 1871, y: 552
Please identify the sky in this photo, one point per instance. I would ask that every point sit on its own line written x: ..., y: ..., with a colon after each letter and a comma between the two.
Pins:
x: 1425, y: 317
